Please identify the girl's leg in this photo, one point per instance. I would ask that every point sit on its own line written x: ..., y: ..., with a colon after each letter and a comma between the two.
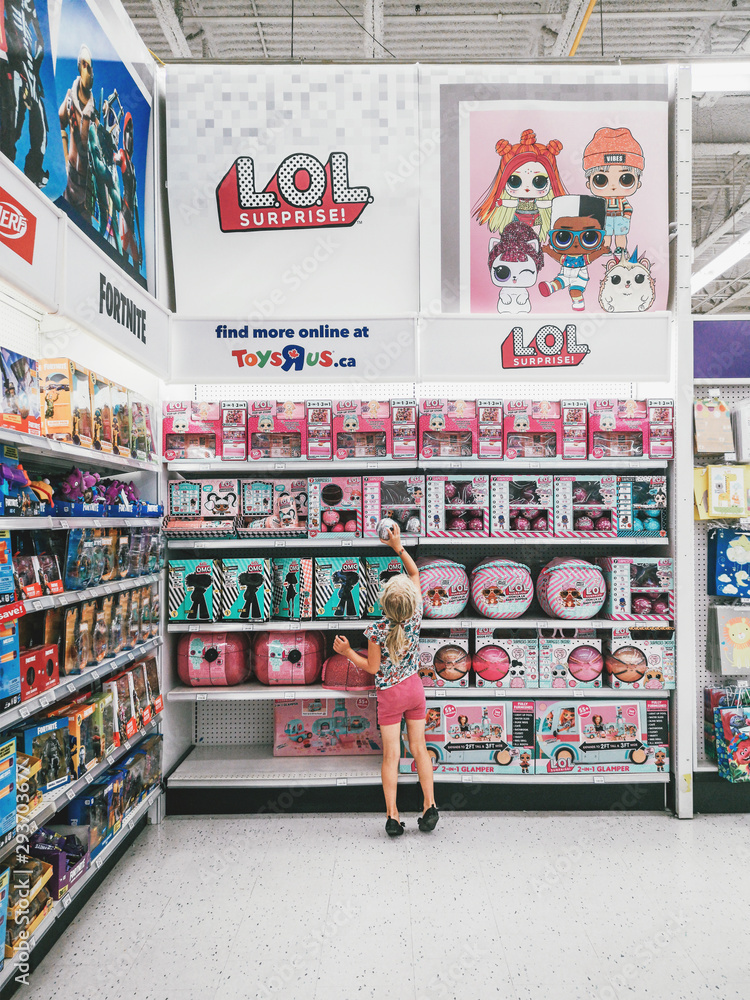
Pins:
x: 418, y: 749
x: 389, y: 773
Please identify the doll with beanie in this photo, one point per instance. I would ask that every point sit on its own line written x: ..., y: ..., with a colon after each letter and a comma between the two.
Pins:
x: 613, y: 163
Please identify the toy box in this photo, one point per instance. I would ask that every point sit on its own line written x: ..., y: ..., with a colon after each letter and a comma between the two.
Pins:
x: 402, y: 498
x: 521, y: 506
x: 140, y: 694
x: 48, y: 546
x: 505, y: 658
x: 19, y: 403
x: 404, y: 424
x: 103, y: 723
x: 621, y: 428
x: 140, y: 444
x: 234, y: 430
x: 444, y: 659
x: 80, y: 735
x: 335, y: 504
x: 362, y: 429
x: 66, y: 850
x: 289, y: 657
x: 602, y: 737
x: 726, y: 574
x: 193, y: 585
x: 575, y: 428
x: 378, y: 571
x: 276, y: 430
x: 10, y: 671
x: 532, y: 428
x: 25, y: 566
x: 447, y: 428
x: 474, y: 737
x: 66, y: 396
x: 332, y: 727
x: 202, y: 508
x: 339, y: 586
x: 642, y: 507
x: 39, y: 669
x: 246, y: 590
x: 660, y: 428
x: 293, y: 588
x: 319, y: 419
x: 571, y: 663
x: 120, y: 420
x: 126, y: 724
x: 274, y: 508
x: 8, y: 798
x: 213, y: 659
x: 191, y: 430
x: 458, y: 506
x: 153, y: 688
x: 640, y: 658
x: 639, y: 588
x: 7, y: 575
x: 48, y: 740
x: 490, y: 428
x: 585, y: 506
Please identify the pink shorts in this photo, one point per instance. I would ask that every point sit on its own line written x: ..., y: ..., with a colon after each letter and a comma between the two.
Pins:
x: 405, y: 698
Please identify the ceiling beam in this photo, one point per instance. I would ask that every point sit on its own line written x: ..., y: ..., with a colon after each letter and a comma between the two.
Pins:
x: 373, y: 21
x: 172, y: 29
x: 725, y: 229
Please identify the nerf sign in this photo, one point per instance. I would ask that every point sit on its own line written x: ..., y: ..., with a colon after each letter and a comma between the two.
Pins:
x: 17, y: 227
x: 549, y: 346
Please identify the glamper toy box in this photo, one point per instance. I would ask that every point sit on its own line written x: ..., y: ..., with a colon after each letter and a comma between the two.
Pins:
x: 602, y: 737
x: 362, y: 429
x: 506, y: 658
x: 447, y: 428
x: 330, y: 727
x: 474, y: 737
x: 335, y: 505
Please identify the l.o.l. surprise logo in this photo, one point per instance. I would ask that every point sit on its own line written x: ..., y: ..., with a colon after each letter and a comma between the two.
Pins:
x: 302, y: 194
x: 548, y: 346
x: 17, y: 227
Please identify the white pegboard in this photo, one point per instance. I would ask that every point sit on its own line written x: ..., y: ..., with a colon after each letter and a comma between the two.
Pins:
x: 241, y: 722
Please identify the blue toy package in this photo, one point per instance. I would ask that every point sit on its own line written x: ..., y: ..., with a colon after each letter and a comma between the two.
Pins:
x: 84, y: 560
x: 7, y: 580
x: 10, y: 671
x: 193, y: 586
x: 246, y: 590
x: 339, y: 586
x: 4, y: 884
x: 728, y: 560
x: 49, y: 742
x: 378, y: 570
x: 7, y: 791
x: 17, y: 499
x: 94, y: 808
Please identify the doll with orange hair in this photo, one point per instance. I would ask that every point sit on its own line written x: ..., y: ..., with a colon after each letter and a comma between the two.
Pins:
x: 524, y: 185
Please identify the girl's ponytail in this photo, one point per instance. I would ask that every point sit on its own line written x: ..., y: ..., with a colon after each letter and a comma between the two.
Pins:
x: 395, y: 642
x: 399, y: 599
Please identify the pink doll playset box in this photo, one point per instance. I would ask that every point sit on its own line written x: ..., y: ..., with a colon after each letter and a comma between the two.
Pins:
x: 362, y: 429
x: 571, y: 589
x: 191, y: 430
x: 642, y: 507
x: 234, y: 430
x: 458, y: 506
x: 602, y: 737
x: 331, y: 727
x: 521, y: 506
x: 335, y: 505
x: 640, y: 658
x: 532, y: 428
x: 445, y: 587
x: 319, y: 417
x: 571, y: 663
x: 276, y: 430
x: 575, y: 428
x: 490, y: 428
x: 273, y: 508
x: 631, y: 428
x: 501, y: 588
x: 289, y: 657
x: 447, y: 428
x: 506, y: 659
x: 444, y: 659
x: 204, y: 508
x: 401, y: 498
x: 213, y: 659
x: 660, y: 428
x: 585, y: 506
x: 404, y: 427
x: 639, y: 588
x: 474, y: 737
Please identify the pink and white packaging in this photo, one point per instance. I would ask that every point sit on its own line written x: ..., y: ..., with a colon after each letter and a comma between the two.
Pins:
x: 276, y: 430
x: 362, y: 429
x: 326, y: 727
x: 447, y: 428
x: 399, y: 497
x: 570, y: 663
x: 629, y: 599
x: 501, y: 588
x: 502, y: 661
x: 289, y: 657
x: 532, y: 428
x: 405, y: 428
x: 575, y: 428
x: 660, y: 428
x: 658, y: 655
x: 571, y: 589
x: 234, y: 430
x: 213, y: 659
x: 490, y: 428
x: 220, y: 497
x: 585, y: 506
x: 618, y: 428
x: 192, y: 431
x: 334, y: 504
x: 458, y: 506
x: 445, y: 587
x: 521, y: 506
x: 319, y: 416
x: 441, y: 663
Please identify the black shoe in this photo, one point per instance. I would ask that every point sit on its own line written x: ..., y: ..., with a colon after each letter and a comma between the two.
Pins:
x: 393, y: 828
x: 428, y: 822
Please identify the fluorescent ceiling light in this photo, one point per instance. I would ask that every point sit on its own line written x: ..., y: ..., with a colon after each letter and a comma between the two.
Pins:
x: 724, y: 76
x: 721, y: 263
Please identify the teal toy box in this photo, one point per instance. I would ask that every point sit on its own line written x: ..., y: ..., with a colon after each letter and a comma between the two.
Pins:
x: 246, y: 590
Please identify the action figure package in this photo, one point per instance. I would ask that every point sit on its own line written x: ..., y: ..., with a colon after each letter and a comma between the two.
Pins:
x: 246, y: 590
x: 293, y: 588
x: 80, y: 735
x: 103, y: 739
x: 145, y: 618
x: 276, y: 430
x: 17, y: 498
x: 339, y: 586
x: 139, y: 695
x: 39, y: 670
x: 275, y: 508
x: 575, y: 428
x: 447, y: 428
x: 585, y: 506
x: 639, y: 588
x: 378, y: 571
x: 94, y: 809
x: 401, y: 498
x: 126, y: 724
x: 234, y: 430
x: 10, y: 676
x: 458, y: 506
x: 76, y: 641
x: 191, y: 431
x: 131, y: 618
x: 66, y: 396
x: 362, y: 429
x: 335, y: 505
x: 66, y: 850
x: 25, y: 566
x: 7, y: 575
x: 140, y: 436
x: 490, y: 428
x: 532, y: 428
x: 319, y: 417
x: 19, y: 403
x: 405, y: 427
x: 326, y: 727
x: 444, y: 659
x: 48, y: 740
x: 618, y: 428
x: 153, y: 688
x: 101, y: 409
x: 49, y: 548
x: 193, y: 583
x: 521, y: 506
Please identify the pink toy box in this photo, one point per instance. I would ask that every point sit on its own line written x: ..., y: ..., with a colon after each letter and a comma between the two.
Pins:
x: 602, y: 737
x: 289, y: 657
x: 575, y: 428
x: 332, y: 727
x: 234, y: 430
x: 521, y: 506
x: 458, y: 506
x: 276, y: 430
x: 571, y: 663
x: 506, y: 659
x: 532, y: 428
x: 404, y: 423
x: 191, y: 430
x: 202, y: 508
x: 631, y: 428
x: 585, y: 506
x: 273, y: 508
x: 474, y: 737
x: 213, y: 659
x: 444, y: 659
x: 319, y: 417
x: 447, y: 428
x: 660, y: 428
x: 639, y: 588
x: 642, y: 507
x: 335, y: 505
x: 640, y: 658
x: 402, y: 498
x: 362, y: 429
x: 490, y: 428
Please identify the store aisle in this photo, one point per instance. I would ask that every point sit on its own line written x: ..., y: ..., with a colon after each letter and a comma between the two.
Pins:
x: 519, y: 906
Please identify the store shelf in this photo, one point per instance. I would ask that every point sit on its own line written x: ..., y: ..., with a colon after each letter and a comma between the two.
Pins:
x: 75, y: 682
x: 76, y: 596
x: 330, y: 541
x: 427, y: 623
x: 541, y: 541
x: 298, y: 468
x: 253, y: 766
x: 45, y: 523
x: 440, y: 465
x: 55, y: 452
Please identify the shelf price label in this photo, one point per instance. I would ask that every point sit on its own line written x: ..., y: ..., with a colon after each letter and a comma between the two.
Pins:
x: 131, y: 825
x: 38, y: 605
x: 98, y: 862
x: 64, y: 524
x: 70, y: 794
x: 201, y: 697
x: 341, y: 781
x: 45, y: 700
x: 95, y: 674
x: 438, y: 693
x: 24, y: 712
x: 70, y: 688
x: 466, y: 778
x: 280, y: 466
x: 280, y: 543
x: 110, y: 759
x: 66, y: 901
x: 62, y: 599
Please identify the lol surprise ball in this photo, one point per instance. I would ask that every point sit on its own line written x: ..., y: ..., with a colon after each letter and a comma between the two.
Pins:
x: 526, y: 181
x: 515, y: 259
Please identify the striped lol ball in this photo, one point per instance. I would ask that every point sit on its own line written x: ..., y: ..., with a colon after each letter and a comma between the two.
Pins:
x: 445, y: 587
x: 571, y: 589
x: 501, y: 588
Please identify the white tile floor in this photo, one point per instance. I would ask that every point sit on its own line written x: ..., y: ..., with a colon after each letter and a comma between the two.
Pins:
x: 602, y: 906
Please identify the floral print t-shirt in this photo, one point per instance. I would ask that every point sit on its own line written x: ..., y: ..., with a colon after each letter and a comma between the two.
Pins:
x: 391, y: 673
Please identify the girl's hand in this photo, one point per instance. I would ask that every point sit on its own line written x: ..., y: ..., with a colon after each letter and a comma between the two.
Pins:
x: 394, y: 538
x: 342, y: 645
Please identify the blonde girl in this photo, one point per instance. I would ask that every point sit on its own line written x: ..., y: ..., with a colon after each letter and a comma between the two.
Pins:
x: 392, y: 656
